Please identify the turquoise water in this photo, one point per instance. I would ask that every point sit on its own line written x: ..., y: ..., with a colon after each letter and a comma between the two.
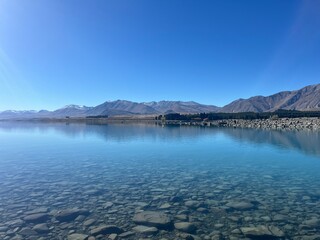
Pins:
x: 221, y: 183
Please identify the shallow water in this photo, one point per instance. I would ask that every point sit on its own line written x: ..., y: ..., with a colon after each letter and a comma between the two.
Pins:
x: 228, y: 183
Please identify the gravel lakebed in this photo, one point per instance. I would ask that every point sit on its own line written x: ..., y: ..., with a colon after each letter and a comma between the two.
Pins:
x: 157, y: 200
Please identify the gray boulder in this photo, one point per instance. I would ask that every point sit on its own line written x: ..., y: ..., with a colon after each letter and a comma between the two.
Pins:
x: 240, y: 205
x: 41, y: 228
x: 77, y: 236
x: 145, y: 229
x: 185, y: 227
x: 70, y: 214
x: 36, y: 218
x: 263, y: 232
x: 153, y: 219
x: 106, y: 229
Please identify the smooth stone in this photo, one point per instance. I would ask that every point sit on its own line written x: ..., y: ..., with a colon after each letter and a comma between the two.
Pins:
x: 15, y: 223
x: 106, y: 229
x: 70, y: 214
x: 108, y: 205
x: 311, y: 223
x: 234, y: 218
x: 203, y: 210
x: 219, y: 225
x: 182, y: 217
x: 140, y: 204
x: 80, y: 218
x: 257, y: 232
x: 311, y: 237
x: 192, y: 204
x: 126, y: 234
x: 41, y: 228
x: 89, y: 222
x: 113, y: 236
x: 37, y: 210
x: 93, y: 192
x: 27, y: 232
x: 165, y: 206
x: 279, y: 217
x: 276, y: 231
x: 236, y: 231
x: 3, y: 229
x: 189, y: 236
x: 288, y: 227
x: 37, y: 218
x: 242, y: 205
x: 15, y: 238
x: 153, y: 219
x: 185, y: 227
x: 266, y: 218
x: 77, y: 236
x: 145, y: 229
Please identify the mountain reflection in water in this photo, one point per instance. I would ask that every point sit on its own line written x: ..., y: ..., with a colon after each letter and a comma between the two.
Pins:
x: 307, y: 142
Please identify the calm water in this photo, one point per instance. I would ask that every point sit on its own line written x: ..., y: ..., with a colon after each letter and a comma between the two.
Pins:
x: 57, y: 180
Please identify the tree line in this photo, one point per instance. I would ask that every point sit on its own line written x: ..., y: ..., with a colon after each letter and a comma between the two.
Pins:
x: 241, y: 115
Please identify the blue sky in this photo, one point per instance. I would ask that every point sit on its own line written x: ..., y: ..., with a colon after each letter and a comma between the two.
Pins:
x: 58, y: 52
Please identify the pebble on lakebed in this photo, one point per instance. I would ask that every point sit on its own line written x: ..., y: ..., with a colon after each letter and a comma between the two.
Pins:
x: 153, y: 219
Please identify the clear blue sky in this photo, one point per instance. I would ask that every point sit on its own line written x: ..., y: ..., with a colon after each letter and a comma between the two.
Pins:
x: 58, y: 52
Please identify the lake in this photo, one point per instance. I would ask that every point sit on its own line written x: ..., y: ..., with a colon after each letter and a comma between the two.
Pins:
x: 78, y: 181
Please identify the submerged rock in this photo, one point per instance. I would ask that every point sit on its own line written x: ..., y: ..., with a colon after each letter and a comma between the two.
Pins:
x: 37, y: 210
x: 41, y: 228
x: 126, y: 234
x: 27, y: 232
x: 37, y: 218
x: 182, y: 217
x: 165, y: 206
x: 193, y: 204
x: 145, y: 229
x: 70, y: 214
x: 241, y: 205
x: 108, y: 205
x: 77, y: 236
x: 153, y: 219
x: 106, y: 229
x: 262, y: 232
x: 311, y: 223
x: 276, y: 231
x: 259, y: 231
x: 89, y: 222
x: 113, y: 236
x: 185, y: 227
x: 3, y: 229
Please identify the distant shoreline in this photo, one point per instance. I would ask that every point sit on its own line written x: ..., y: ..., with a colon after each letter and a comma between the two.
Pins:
x: 305, y: 123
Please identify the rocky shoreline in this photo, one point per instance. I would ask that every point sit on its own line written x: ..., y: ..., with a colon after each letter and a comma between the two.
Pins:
x: 268, y: 124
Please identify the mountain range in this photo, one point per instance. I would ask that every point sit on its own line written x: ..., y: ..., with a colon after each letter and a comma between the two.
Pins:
x: 305, y: 99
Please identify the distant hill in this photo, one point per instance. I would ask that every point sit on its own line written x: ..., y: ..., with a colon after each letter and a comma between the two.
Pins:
x: 305, y: 99
x: 121, y: 107
x: 9, y: 114
x: 71, y: 110
x: 114, y: 108
x: 181, y: 107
